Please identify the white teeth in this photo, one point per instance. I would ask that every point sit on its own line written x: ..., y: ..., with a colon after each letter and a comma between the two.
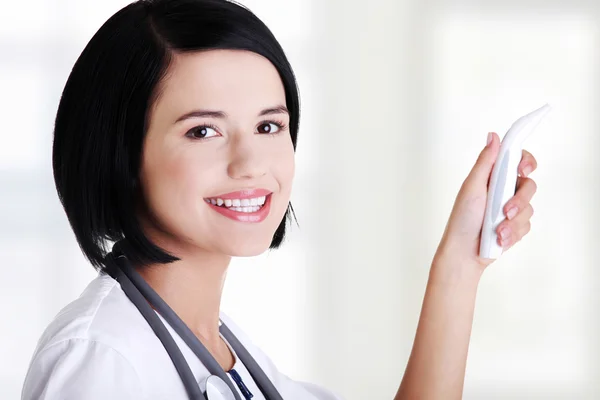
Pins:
x: 245, y: 209
x: 240, y: 205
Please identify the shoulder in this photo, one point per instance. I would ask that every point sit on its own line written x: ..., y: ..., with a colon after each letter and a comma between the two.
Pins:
x: 87, y: 344
x: 288, y: 387
x: 80, y: 368
x: 102, y: 313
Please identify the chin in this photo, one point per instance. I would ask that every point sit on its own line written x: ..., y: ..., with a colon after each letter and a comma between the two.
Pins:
x: 249, y: 248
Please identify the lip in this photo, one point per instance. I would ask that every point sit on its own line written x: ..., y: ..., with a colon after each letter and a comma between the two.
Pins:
x: 243, y: 194
x: 254, y: 217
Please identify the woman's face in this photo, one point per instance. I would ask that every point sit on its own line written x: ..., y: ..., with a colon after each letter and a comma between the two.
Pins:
x: 218, y: 161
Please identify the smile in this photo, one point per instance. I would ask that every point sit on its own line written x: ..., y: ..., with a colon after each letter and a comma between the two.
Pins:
x: 239, y: 205
x: 243, y: 206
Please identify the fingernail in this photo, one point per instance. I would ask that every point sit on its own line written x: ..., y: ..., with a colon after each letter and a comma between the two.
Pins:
x: 511, y: 213
x: 527, y: 170
x: 489, y: 139
x: 504, y: 233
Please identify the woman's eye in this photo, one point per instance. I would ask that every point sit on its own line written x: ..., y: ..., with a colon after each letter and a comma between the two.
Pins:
x: 269, y: 127
x: 202, y: 132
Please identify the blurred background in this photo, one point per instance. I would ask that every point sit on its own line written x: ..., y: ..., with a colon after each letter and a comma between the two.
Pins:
x: 397, y: 97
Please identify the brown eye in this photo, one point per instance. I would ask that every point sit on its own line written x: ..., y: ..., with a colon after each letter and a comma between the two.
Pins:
x: 268, y: 128
x: 202, y: 132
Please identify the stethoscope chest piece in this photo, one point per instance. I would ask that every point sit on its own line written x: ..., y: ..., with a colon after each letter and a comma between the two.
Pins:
x: 217, y: 389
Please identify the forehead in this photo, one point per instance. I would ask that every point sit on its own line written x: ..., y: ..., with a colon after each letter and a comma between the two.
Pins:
x: 229, y: 80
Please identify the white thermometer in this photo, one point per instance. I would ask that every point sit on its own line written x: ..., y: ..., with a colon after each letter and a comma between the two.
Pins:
x: 502, y: 186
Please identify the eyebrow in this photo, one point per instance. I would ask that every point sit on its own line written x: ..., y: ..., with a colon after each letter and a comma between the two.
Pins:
x: 221, y: 114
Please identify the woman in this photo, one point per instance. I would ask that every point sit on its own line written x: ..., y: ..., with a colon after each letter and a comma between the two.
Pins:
x: 175, y: 138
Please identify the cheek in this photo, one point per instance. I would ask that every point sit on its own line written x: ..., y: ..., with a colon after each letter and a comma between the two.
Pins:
x: 284, y: 168
x: 173, y: 187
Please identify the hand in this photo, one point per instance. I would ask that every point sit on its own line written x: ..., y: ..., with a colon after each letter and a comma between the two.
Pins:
x: 460, y: 241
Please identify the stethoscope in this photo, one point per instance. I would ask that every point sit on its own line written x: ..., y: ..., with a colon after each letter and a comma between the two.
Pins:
x: 217, y: 386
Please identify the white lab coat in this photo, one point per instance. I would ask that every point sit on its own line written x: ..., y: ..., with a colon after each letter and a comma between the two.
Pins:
x: 100, y: 347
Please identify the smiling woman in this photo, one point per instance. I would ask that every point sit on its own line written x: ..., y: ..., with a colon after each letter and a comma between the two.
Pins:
x: 174, y: 140
x: 237, y: 147
x: 174, y: 143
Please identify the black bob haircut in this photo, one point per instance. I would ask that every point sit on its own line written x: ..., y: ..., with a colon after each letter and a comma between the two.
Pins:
x: 103, y: 113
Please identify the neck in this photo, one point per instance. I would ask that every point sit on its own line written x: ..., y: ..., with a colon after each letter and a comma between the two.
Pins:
x: 192, y: 287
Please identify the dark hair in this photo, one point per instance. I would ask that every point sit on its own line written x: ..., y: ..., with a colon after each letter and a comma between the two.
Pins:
x: 103, y: 111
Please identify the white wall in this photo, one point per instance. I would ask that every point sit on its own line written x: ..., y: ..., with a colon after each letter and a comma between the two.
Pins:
x: 397, y: 96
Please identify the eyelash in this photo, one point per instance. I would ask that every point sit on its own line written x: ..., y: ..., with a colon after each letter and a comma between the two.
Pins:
x: 280, y: 126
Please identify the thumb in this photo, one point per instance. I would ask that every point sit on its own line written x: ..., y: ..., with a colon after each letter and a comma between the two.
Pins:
x: 480, y: 174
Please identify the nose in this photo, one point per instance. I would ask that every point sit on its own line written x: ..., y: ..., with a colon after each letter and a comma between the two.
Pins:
x: 247, y: 161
